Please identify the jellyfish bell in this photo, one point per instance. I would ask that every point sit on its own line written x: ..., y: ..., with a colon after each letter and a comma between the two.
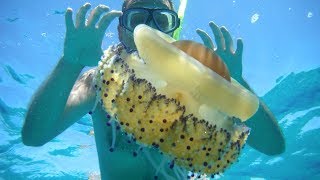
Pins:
x: 183, y: 74
x: 167, y: 98
x: 204, y: 55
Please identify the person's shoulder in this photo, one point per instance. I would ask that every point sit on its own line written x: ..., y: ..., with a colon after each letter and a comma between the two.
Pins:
x: 85, y: 81
x: 90, y: 72
x: 88, y: 76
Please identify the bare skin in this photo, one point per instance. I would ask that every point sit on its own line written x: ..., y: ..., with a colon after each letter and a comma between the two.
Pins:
x: 76, y: 97
x: 65, y: 97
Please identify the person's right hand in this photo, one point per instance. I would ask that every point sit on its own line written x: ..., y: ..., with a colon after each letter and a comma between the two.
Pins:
x: 225, y: 49
x: 83, y: 40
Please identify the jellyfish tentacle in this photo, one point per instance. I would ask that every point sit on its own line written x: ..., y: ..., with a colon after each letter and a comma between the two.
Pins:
x: 114, y: 135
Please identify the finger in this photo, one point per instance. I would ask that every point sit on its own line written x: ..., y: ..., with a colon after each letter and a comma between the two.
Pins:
x: 96, y: 13
x: 228, y: 39
x: 239, y: 47
x: 81, y: 15
x: 107, y: 19
x: 205, y: 38
x: 69, y: 22
x: 217, y: 36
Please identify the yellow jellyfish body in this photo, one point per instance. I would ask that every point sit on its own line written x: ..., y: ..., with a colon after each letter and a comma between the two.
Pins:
x: 166, y: 99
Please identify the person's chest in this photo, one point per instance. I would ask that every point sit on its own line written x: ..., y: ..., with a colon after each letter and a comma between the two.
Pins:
x: 126, y: 159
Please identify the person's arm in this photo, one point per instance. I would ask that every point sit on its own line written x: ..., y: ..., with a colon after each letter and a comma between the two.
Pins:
x: 44, y: 119
x: 59, y: 102
x: 265, y: 135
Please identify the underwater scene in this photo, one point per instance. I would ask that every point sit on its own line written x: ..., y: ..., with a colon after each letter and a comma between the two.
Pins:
x: 280, y: 82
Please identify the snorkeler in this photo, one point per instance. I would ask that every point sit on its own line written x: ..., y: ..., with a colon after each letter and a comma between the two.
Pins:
x: 76, y: 95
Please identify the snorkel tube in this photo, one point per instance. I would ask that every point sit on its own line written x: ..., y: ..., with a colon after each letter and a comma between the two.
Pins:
x: 182, y: 8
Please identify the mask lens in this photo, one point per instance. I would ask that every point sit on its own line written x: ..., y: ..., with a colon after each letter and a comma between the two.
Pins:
x: 132, y: 18
x: 166, y: 20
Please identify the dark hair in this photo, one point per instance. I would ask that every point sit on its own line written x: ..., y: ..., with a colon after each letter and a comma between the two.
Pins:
x: 126, y: 3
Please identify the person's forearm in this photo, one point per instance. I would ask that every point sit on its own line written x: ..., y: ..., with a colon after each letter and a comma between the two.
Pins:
x: 262, y: 107
x: 266, y: 135
x: 244, y: 83
x: 49, y: 101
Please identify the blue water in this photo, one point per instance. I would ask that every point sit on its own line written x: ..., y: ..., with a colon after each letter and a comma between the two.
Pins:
x: 280, y: 62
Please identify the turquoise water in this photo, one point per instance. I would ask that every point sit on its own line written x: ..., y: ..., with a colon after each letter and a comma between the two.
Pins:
x: 281, y: 63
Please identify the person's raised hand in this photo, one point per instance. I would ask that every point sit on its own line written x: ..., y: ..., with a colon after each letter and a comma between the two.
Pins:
x: 83, y: 39
x: 225, y: 49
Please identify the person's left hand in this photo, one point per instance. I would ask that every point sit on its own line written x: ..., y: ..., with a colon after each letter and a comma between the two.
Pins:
x: 225, y: 49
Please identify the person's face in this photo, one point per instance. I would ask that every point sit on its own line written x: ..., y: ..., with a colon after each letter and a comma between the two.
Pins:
x: 126, y: 36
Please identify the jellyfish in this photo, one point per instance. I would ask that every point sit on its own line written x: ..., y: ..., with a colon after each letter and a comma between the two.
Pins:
x: 178, y: 97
